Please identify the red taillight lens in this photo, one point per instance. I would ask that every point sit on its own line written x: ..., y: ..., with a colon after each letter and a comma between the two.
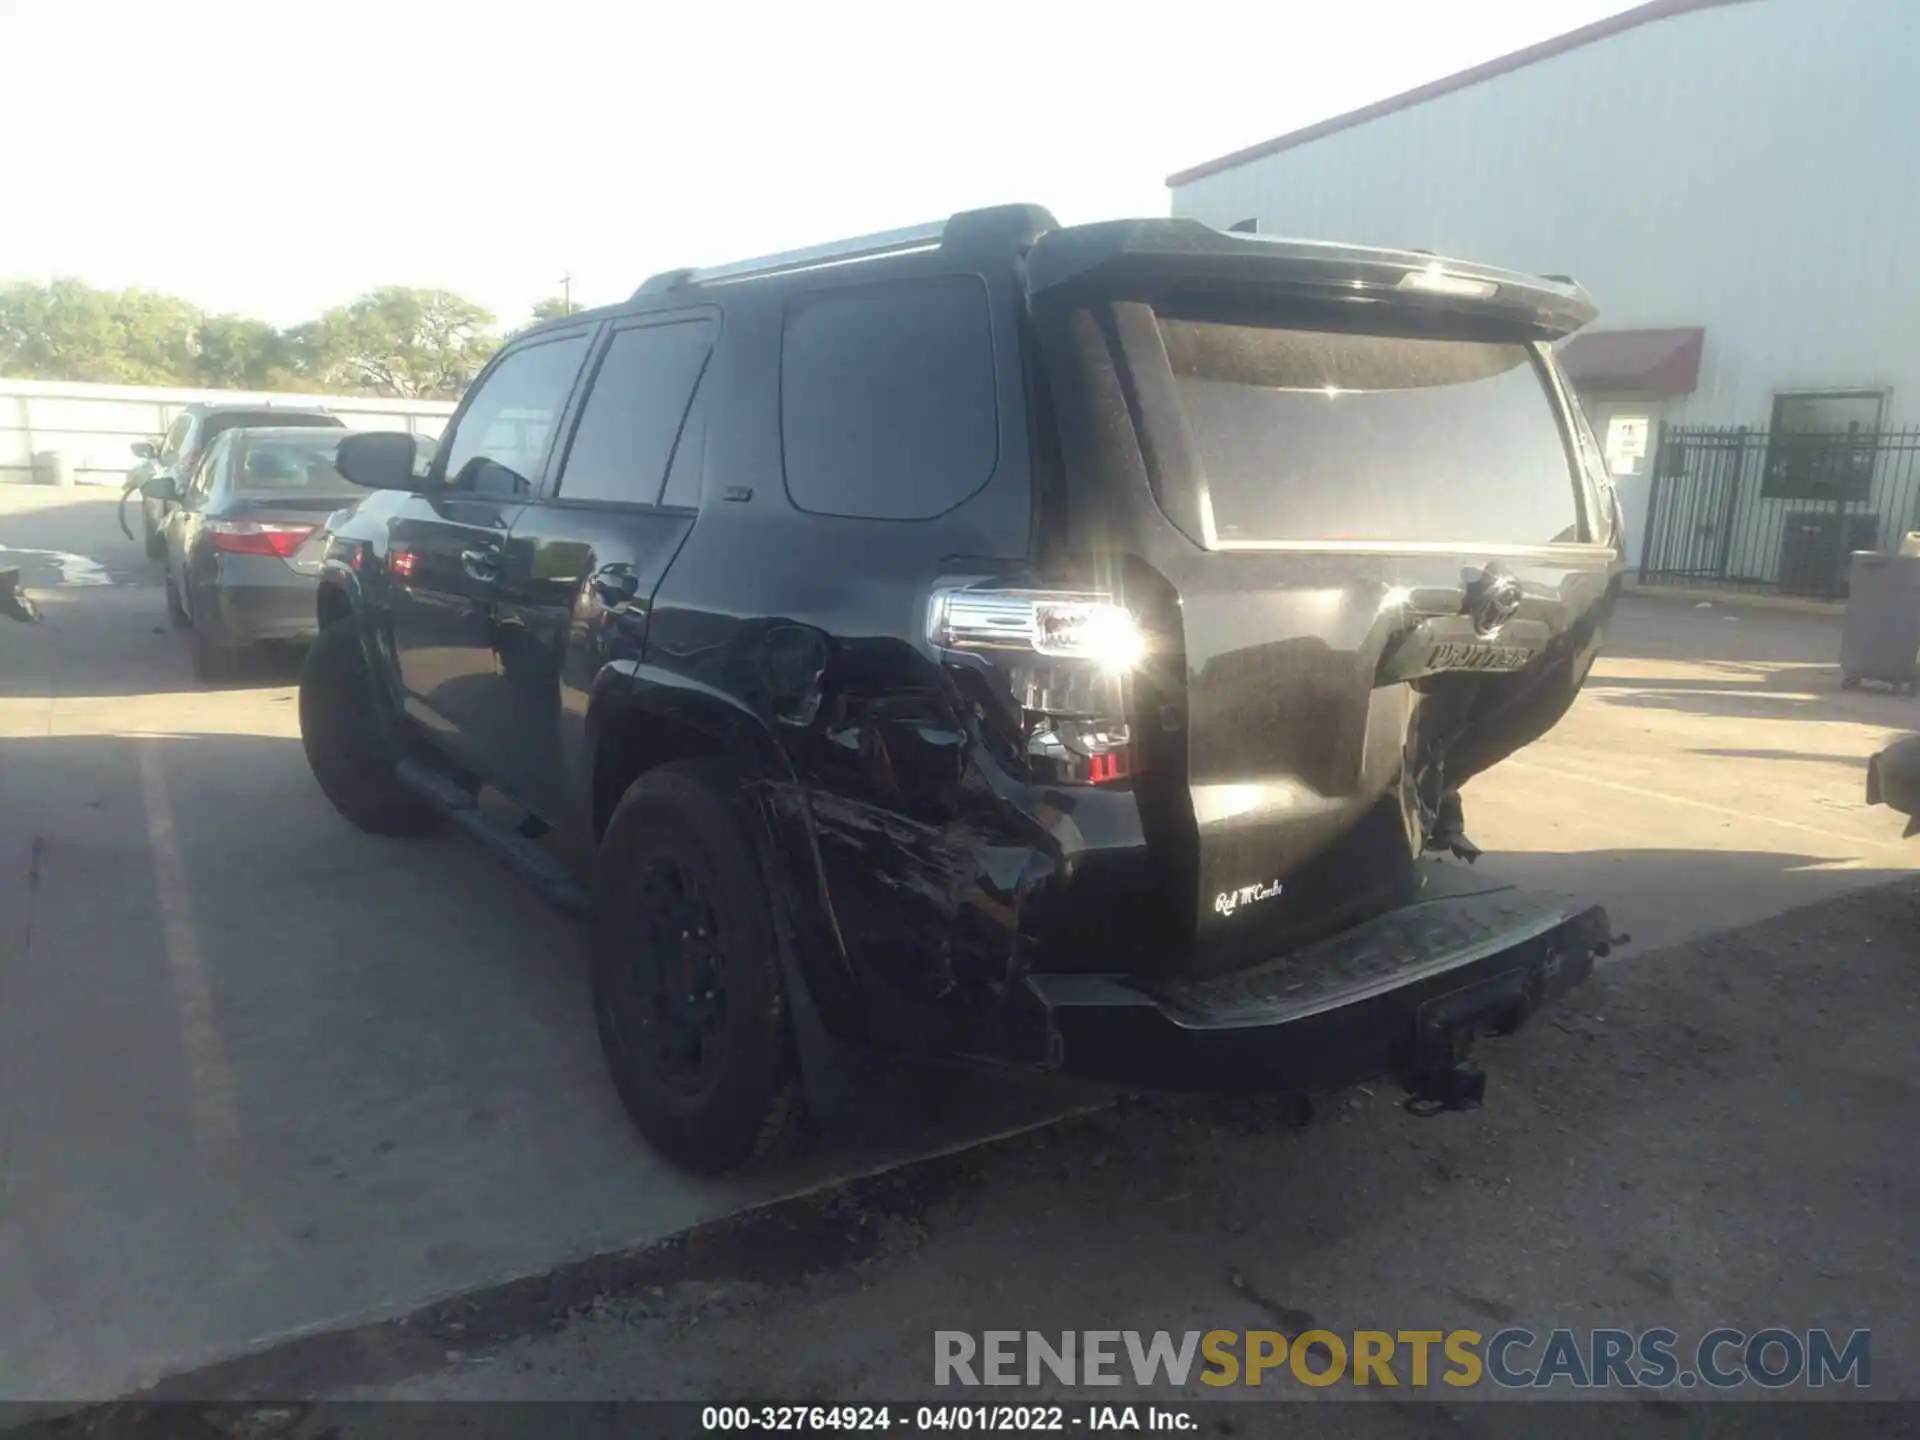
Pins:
x: 256, y: 537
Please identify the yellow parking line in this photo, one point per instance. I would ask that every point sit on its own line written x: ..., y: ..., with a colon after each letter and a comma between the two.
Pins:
x: 216, y: 1124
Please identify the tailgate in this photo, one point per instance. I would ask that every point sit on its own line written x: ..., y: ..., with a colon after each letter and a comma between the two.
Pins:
x: 1372, y: 553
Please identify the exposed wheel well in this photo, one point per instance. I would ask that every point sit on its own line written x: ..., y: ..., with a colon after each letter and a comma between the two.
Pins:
x: 635, y: 743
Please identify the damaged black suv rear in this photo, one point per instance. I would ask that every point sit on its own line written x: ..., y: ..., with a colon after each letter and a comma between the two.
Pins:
x: 1046, y: 647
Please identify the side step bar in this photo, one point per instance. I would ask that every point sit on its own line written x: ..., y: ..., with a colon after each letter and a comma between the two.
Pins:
x: 547, y: 875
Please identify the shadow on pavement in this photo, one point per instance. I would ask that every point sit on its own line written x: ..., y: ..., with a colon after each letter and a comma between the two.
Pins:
x: 265, y: 1072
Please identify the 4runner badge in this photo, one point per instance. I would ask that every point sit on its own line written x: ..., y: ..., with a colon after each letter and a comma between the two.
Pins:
x: 1228, y: 901
x: 1464, y: 655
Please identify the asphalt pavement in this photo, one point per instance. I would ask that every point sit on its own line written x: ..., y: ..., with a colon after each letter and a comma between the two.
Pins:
x: 262, y: 1075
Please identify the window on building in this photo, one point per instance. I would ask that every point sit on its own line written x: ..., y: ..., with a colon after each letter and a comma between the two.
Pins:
x: 1821, y: 445
x: 633, y: 416
x: 887, y: 398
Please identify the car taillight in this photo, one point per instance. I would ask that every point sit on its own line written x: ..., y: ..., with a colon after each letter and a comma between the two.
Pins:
x: 256, y: 537
x: 1067, y: 660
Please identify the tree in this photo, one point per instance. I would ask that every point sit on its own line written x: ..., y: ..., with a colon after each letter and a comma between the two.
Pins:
x: 551, y: 308
x: 414, y: 343
x: 402, y: 341
x: 235, y: 352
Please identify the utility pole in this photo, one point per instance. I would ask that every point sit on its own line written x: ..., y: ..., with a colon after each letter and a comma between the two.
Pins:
x: 566, y: 292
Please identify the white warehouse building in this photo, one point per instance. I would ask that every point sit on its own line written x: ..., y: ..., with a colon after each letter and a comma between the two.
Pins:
x: 1737, y: 184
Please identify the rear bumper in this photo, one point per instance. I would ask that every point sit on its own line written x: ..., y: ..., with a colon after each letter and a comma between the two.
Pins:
x: 1397, y: 996
x: 257, y: 598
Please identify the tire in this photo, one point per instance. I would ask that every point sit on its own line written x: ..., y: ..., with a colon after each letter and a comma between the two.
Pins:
x: 709, y: 1075
x: 212, y: 664
x: 345, y: 741
x: 176, y: 608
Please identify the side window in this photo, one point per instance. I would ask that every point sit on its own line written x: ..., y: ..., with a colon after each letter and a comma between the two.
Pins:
x: 634, y: 413
x: 689, y: 456
x: 500, y: 439
x: 200, y: 484
x: 176, y: 440
x: 887, y: 407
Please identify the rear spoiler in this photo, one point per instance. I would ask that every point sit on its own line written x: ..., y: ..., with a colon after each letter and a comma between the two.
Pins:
x: 1155, y: 253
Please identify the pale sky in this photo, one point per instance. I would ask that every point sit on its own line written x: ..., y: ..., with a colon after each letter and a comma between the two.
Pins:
x: 490, y: 148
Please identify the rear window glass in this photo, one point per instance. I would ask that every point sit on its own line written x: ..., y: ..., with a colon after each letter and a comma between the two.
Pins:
x: 1321, y: 435
x: 289, y: 463
x: 232, y: 419
x: 887, y: 404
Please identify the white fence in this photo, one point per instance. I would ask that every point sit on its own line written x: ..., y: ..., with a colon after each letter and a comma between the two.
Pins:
x: 91, y: 428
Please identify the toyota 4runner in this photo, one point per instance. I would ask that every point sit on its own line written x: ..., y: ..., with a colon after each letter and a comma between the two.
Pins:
x: 1037, y: 647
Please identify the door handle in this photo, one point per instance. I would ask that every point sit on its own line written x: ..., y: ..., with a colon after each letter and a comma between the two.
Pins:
x: 482, y: 563
x: 615, y: 585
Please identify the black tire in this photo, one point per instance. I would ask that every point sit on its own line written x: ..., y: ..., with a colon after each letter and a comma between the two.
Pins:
x: 212, y: 664
x: 710, y: 1075
x: 176, y: 608
x: 345, y: 742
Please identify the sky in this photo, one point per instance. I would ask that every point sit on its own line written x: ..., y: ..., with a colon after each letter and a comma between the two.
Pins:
x: 276, y: 157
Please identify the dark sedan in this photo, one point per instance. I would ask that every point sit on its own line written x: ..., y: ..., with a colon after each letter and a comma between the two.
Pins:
x: 231, y: 535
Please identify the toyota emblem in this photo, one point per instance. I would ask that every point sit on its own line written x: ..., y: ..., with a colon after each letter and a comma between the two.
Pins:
x: 1492, y: 600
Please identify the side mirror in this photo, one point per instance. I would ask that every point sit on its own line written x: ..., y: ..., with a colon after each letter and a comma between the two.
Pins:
x: 161, y: 487
x: 379, y: 460
x: 145, y: 450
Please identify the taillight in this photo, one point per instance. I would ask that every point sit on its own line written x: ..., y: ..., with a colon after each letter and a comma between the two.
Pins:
x: 256, y: 537
x: 1067, y: 659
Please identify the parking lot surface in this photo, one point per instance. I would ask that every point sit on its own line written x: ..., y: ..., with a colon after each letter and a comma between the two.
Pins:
x: 261, y: 1074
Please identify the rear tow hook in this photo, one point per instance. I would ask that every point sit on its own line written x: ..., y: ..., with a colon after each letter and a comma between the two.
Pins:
x: 1460, y: 1085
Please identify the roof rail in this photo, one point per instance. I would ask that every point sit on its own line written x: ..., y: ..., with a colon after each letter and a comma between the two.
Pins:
x: 665, y: 280
x: 1013, y: 225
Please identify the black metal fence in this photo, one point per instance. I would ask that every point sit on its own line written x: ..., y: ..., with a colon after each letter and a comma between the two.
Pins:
x: 1739, y: 509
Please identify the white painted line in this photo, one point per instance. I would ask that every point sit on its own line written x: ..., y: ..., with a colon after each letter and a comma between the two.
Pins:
x: 216, y: 1123
x: 1857, y: 841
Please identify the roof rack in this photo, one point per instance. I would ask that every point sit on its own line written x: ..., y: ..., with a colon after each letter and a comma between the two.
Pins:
x: 1013, y: 226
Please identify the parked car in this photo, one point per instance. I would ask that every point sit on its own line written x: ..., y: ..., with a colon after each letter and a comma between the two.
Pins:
x: 186, y: 442
x: 1033, y: 647
x: 232, y: 534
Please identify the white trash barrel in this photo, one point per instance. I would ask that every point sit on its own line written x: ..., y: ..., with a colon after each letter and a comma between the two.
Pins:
x: 1880, y: 639
x: 51, y: 467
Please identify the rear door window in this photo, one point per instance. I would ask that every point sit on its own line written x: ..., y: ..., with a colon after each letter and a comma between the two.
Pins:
x: 631, y: 423
x: 1314, y: 435
x: 176, y: 440
x: 887, y: 403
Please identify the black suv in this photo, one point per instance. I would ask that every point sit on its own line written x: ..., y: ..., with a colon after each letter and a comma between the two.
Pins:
x: 1039, y: 647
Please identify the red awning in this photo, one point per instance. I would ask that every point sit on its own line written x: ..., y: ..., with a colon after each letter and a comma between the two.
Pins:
x: 1655, y: 362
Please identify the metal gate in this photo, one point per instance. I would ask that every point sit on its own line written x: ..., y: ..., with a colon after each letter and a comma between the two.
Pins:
x: 1781, y: 511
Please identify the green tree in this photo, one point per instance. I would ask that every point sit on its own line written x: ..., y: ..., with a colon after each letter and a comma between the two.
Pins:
x: 552, y: 308
x: 61, y: 331
x: 395, y: 341
x: 235, y: 352
x: 399, y: 340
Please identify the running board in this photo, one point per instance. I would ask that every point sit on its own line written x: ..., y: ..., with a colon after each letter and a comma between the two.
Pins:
x: 546, y: 874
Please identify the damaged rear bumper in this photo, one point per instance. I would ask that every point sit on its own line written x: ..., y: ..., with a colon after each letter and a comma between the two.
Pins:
x: 1401, y: 995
